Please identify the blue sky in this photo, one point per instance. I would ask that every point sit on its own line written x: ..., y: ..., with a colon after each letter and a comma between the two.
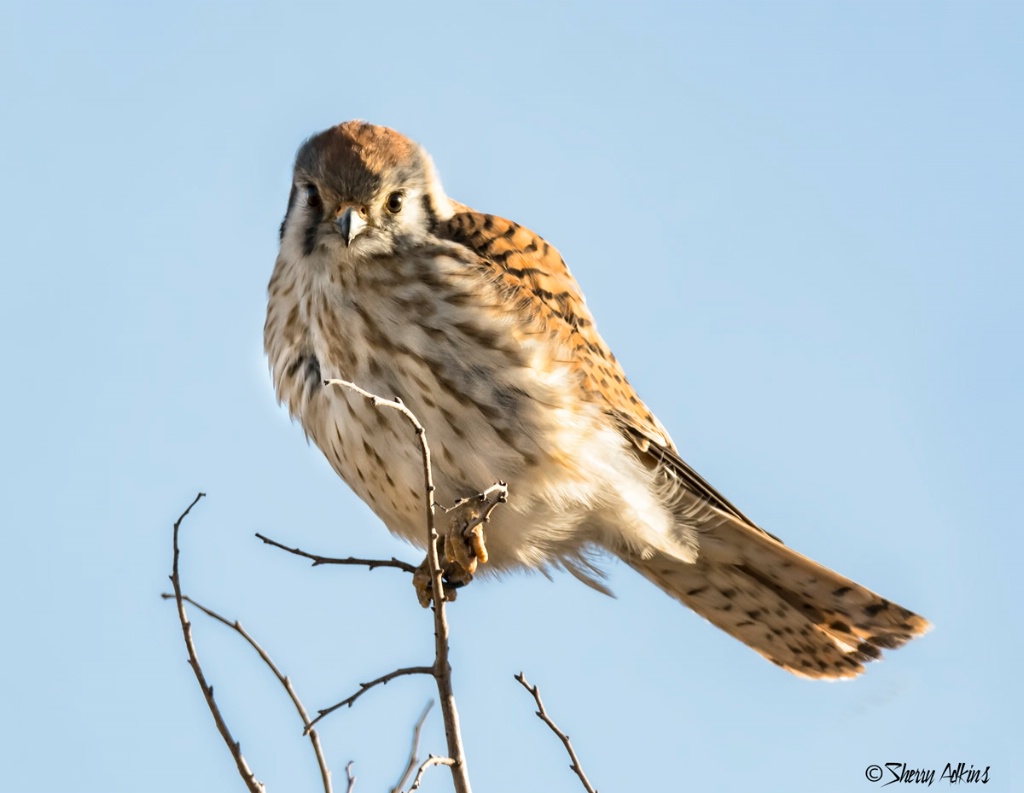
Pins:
x: 798, y: 225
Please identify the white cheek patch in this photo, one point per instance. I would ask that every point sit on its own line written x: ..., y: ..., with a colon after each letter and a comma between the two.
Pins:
x: 293, y: 242
x: 412, y: 212
x: 442, y: 204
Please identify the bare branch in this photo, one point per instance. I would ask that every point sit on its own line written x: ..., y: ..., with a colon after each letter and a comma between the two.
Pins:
x: 543, y: 715
x: 442, y: 667
x: 414, y: 750
x: 364, y: 687
x: 254, y: 785
x: 319, y: 560
x: 430, y: 761
x: 325, y: 772
x: 351, y: 777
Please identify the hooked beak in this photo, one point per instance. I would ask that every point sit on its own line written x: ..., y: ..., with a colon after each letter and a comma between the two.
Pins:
x: 350, y: 224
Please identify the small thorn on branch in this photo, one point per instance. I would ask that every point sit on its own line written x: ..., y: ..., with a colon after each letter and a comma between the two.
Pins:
x: 364, y: 687
x: 542, y: 714
x: 318, y: 560
x: 236, y: 625
x: 254, y: 785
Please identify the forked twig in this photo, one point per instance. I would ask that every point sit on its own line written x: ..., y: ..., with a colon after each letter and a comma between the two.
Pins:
x: 430, y: 761
x: 442, y: 667
x: 254, y: 785
x: 542, y: 714
x: 414, y: 750
x: 350, y: 776
x: 325, y: 772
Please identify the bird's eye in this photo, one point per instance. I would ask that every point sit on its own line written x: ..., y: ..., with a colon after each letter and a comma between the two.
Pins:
x: 311, y: 196
x: 394, y: 203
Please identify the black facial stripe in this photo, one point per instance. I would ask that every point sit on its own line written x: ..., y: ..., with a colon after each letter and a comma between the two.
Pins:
x: 288, y: 211
x: 312, y: 214
x: 429, y: 211
x: 313, y: 218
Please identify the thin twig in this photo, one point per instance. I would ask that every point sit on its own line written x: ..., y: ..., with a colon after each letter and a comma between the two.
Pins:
x: 414, y: 750
x: 431, y: 760
x: 254, y: 785
x: 442, y: 667
x: 325, y: 772
x: 364, y: 687
x: 319, y: 560
x: 351, y: 777
x: 543, y: 715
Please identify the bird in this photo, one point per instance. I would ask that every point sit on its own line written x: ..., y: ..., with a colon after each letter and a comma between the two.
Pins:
x: 475, y: 323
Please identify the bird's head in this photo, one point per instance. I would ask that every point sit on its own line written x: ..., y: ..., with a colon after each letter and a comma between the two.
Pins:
x: 361, y: 191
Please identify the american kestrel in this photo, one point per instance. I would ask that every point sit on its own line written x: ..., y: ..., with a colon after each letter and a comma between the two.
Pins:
x: 477, y: 325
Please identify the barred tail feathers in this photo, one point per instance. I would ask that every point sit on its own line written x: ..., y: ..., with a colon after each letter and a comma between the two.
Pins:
x: 795, y: 612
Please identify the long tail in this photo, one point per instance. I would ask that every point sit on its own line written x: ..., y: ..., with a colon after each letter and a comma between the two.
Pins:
x: 798, y: 614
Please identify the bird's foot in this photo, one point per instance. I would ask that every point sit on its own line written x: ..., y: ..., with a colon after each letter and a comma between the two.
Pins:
x: 451, y: 579
x: 461, y: 548
x: 465, y: 546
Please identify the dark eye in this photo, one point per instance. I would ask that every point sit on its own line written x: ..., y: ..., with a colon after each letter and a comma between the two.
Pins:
x: 312, y: 196
x: 394, y: 203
